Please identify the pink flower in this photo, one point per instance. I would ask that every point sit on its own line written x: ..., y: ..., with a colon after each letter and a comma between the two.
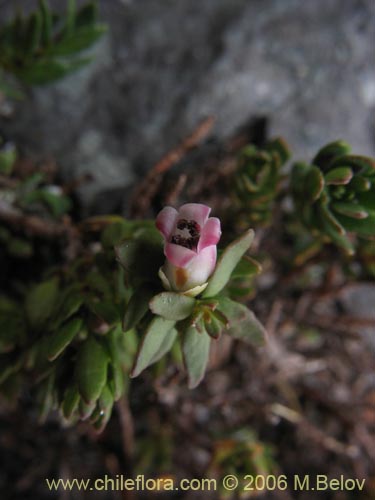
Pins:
x: 190, y: 238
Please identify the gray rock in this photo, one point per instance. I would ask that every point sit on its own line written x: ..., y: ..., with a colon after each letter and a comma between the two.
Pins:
x: 164, y: 65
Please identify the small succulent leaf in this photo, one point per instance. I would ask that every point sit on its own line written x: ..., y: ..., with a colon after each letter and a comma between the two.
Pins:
x: 113, y: 341
x: 46, y: 16
x: 350, y: 209
x: 156, y: 333
x: 86, y: 409
x: 280, y: 146
x: 227, y: 263
x: 314, y: 183
x: 136, y: 308
x: 165, y: 346
x: 214, y: 327
x: 306, y: 251
x: 40, y: 302
x: 69, y: 304
x: 70, y: 402
x: 91, y: 372
x: 48, y: 70
x: 196, y: 351
x: 115, y: 233
x: 361, y: 184
x: 70, y: 17
x: 330, y: 228
x: 339, y: 176
x: 78, y: 40
x: 362, y: 227
x: 331, y: 151
x: 105, y: 310
x: 243, y: 324
x: 246, y: 267
x: 140, y: 259
x: 105, y: 405
x: 298, y: 178
x: 62, y: 337
x: 34, y: 32
x: 46, y: 396
x: 358, y: 163
x: 170, y: 305
x: 367, y: 199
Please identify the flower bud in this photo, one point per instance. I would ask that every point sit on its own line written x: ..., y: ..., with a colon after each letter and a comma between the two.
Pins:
x: 190, y: 239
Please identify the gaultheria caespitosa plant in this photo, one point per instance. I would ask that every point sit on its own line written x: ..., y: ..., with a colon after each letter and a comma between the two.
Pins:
x: 44, y: 46
x: 69, y: 337
x: 334, y: 197
x: 196, y: 306
x: 257, y: 180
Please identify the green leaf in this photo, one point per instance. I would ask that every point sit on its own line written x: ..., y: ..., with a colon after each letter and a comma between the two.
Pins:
x: 334, y: 229
x: 214, y: 326
x: 46, y: 22
x: 165, y: 346
x: 86, y: 409
x: 280, y: 146
x: 112, y: 339
x: 196, y: 350
x: 141, y: 259
x: 70, y: 302
x: 170, y: 305
x: 362, y: 227
x: 70, y: 401
x: 115, y: 233
x: 358, y: 163
x: 350, y: 209
x: 137, y: 307
x: 105, y: 405
x: 243, y: 324
x: 331, y: 151
x: 62, y: 337
x: 40, y: 302
x: 338, y: 176
x: 91, y: 373
x: 34, y: 32
x: 47, y: 396
x: 367, y: 199
x: 48, y: 70
x: 152, y: 341
x: 78, y: 40
x: 227, y: 263
x: 105, y: 310
x: 246, y: 268
x: 314, y: 183
x: 70, y: 17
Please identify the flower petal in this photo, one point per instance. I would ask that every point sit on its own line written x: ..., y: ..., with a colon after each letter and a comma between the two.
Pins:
x: 210, y: 234
x: 195, y: 211
x: 177, y: 255
x: 166, y: 221
x: 200, y: 268
x: 164, y: 279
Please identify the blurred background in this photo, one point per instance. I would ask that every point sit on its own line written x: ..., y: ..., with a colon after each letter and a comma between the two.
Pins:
x: 303, y: 70
x: 306, y: 68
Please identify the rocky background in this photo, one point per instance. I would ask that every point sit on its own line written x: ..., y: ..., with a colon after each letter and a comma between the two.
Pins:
x: 306, y: 68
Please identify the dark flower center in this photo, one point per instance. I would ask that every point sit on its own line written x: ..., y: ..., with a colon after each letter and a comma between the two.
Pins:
x: 187, y: 234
